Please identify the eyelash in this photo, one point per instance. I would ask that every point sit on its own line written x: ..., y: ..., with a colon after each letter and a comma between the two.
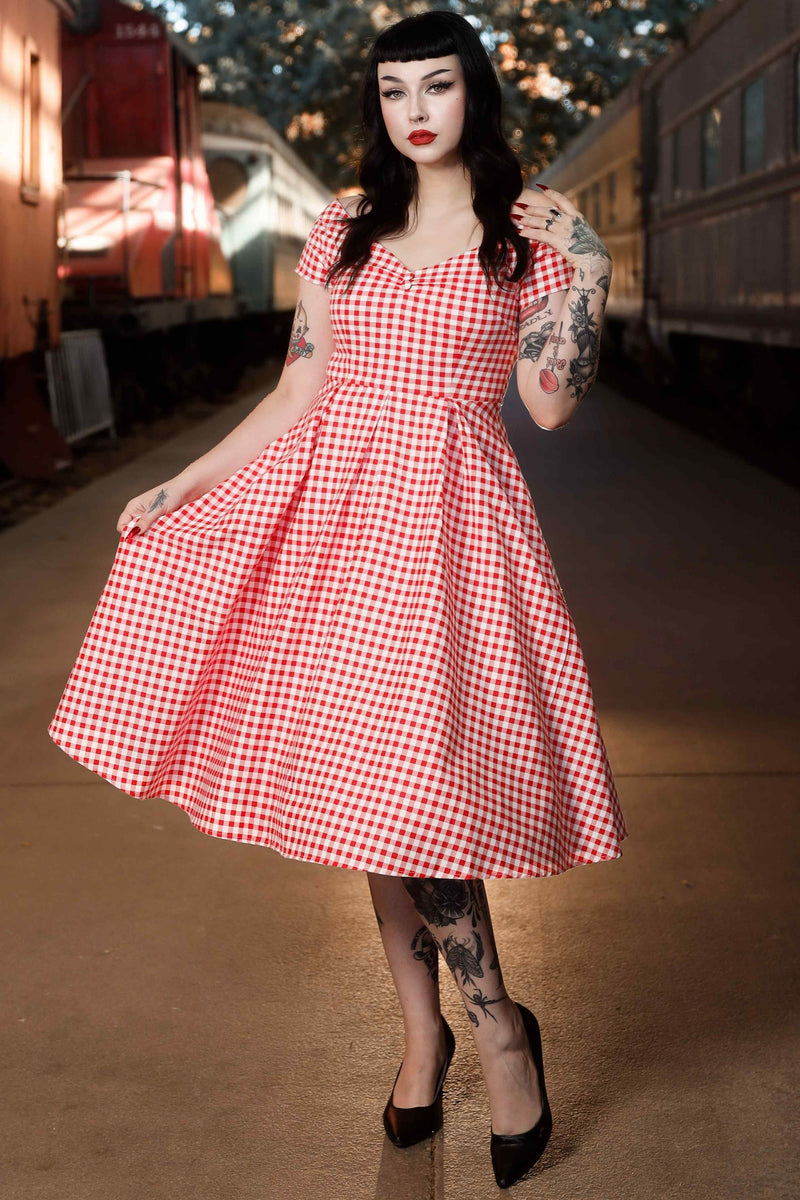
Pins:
x: 392, y: 91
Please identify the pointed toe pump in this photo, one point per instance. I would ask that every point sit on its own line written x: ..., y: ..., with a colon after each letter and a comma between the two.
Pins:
x: 514, y: 1154
x: 407, y: 1126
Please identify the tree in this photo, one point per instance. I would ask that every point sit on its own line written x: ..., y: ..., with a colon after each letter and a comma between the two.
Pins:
x: 299, y: 63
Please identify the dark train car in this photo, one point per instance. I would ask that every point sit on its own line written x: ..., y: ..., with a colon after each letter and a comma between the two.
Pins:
x: 723, y: 229
x: 30, y: 191
x: 699, y: 158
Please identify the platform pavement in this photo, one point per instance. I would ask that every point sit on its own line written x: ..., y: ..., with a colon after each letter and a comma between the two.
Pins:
x: 187, y: 1017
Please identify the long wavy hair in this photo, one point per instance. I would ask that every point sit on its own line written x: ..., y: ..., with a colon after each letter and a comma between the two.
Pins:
x: 389, y: 180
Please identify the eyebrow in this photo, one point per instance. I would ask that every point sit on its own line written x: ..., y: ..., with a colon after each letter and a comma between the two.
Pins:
x: 395, y: 79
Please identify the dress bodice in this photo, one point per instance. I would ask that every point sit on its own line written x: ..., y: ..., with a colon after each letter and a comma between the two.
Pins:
x: 437, y: 330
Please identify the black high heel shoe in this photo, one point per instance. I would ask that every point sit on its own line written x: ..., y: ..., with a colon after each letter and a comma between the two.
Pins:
x: 407, y: 1126
x: 513, y: 1154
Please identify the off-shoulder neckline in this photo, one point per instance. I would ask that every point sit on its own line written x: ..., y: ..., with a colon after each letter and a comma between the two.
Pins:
x: 415, y: 270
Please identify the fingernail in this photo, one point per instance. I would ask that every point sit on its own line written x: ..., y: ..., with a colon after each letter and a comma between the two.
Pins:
x: 543, y: 186
x: 519, y: 204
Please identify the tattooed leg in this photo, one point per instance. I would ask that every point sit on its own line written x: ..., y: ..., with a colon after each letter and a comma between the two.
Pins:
x: 414, y: 964
x: 456, y: 912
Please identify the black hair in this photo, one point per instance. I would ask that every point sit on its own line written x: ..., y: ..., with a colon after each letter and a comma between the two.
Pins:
x: 388, y: 178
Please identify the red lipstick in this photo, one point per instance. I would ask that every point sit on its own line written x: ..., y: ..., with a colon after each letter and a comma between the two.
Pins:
x: 421, y: 137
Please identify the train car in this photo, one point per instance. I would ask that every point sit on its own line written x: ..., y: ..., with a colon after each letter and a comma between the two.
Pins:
x: 266, y: 200
x: 723, y: 230
x: 30, y: 191
x: 190, y: 278
x: 141, y: 236
x: 705, y: 293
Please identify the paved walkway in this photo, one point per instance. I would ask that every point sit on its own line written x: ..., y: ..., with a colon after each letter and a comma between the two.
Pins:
x: 186, y: 1017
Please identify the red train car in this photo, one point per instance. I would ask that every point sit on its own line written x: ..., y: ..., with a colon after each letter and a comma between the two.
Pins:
x: 141, y: 236
x: 30, y: 192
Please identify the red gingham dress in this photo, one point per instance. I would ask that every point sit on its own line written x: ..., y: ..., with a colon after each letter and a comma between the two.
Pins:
x: 355, y: 650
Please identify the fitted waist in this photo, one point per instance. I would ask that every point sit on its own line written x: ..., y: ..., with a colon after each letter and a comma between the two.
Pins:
x: 484, y: 405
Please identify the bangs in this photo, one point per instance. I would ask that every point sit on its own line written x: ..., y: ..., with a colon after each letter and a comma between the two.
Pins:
x: 409, y: 42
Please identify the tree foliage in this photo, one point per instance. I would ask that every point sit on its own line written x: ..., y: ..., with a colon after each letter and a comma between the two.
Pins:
x: 299, y: 63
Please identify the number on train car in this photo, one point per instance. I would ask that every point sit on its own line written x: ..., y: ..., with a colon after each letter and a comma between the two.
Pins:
x: 131, y: 30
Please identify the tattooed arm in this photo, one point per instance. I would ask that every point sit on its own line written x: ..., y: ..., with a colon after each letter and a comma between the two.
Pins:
x: 310, y: 348
x: 559, y: 335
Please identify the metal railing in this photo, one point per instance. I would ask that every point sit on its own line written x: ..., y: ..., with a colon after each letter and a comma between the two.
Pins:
x: 126, y: 178
x: 78, y: 385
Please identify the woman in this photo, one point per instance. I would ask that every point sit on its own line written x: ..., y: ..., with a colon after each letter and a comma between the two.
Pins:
x: 339, y: 633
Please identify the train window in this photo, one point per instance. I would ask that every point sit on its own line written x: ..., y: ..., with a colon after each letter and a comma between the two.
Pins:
x: 612, y: 196
x: 228, y: 180
x: 753, y: 125
x: 31, y: 122
x: 711, y: 146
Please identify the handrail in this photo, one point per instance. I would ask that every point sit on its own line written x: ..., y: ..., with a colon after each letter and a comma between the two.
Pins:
x: 100, y: 175
x: 126, y: 178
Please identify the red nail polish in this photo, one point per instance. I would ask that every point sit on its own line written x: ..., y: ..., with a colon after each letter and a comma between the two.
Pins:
x: 543, y: 186
x: 519, y: 204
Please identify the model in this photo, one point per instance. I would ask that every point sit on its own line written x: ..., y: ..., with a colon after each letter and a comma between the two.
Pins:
x: 339, y: 633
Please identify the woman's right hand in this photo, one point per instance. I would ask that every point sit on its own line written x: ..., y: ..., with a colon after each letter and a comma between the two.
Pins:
x: 142, y: 511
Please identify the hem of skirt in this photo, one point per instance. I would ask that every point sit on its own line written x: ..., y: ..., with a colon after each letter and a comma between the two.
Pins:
x: 432, y: 873
x: 331, y: 860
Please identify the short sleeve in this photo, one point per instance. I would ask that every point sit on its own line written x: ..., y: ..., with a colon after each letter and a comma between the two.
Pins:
x: 322, y: 244
x: 547, y: 271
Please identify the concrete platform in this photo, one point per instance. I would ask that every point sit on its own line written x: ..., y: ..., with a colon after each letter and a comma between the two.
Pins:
x: 186, y: 1017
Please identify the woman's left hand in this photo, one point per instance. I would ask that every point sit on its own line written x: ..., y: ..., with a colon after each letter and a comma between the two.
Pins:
x: 545, y: 215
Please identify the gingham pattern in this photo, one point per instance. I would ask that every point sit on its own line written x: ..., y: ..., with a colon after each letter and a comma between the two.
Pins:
x: 356, y: 650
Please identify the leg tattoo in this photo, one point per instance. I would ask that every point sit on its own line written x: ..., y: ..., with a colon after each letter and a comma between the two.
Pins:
x: 461, y: 905
x: 410, y: 949
x: 424, y: 950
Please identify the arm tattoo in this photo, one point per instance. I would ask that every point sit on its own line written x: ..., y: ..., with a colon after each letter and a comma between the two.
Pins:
x: 586, y: 338
x: 548, y: 380
x: 533, y: 311
x: 534, y: 342
x: 298, y: 346
x: 585, y: 240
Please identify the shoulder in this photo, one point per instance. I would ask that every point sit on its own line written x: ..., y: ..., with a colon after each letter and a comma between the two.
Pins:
x: 351, y: 203
x: 330, y: 225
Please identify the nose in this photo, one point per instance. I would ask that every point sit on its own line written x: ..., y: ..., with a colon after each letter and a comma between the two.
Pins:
x: 417, y: 111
